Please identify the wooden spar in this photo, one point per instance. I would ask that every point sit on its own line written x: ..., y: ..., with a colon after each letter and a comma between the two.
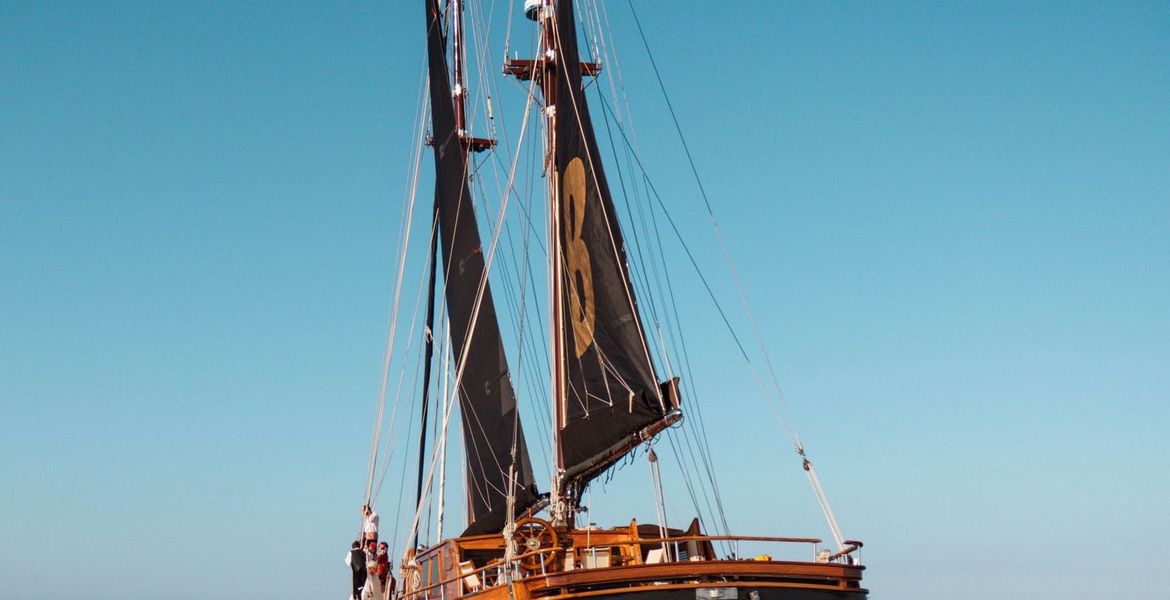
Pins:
x: 546, y: 78
x: 561, y: 513
x: 459, y: 89
x: 525, y: 68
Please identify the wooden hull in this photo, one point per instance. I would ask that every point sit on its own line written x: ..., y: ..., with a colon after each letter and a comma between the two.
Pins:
x: 624, y: 564
x: 705, y: 580
x: 750, y: 592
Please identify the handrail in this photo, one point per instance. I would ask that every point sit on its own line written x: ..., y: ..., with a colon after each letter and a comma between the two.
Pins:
x: 488, y: 567
x: 720, y: 538
x: 850, y: 547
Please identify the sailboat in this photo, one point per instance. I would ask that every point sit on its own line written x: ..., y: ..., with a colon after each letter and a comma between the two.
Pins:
x: 606, y: 398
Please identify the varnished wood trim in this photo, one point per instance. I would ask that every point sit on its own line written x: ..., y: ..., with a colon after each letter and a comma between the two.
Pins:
x: 674, y: 570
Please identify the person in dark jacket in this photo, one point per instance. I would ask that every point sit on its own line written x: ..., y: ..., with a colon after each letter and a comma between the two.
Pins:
x: 356, y: 559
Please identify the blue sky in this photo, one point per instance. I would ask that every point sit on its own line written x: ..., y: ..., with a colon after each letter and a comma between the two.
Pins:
x: 953, y: 223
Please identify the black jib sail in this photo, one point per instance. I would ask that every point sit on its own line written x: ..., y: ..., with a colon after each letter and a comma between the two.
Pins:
x: 611, y: 394
x: 486, y: 399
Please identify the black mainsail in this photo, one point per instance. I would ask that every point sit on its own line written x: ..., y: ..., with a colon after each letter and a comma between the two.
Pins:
x: 487, y: 401
x: 612, y: 400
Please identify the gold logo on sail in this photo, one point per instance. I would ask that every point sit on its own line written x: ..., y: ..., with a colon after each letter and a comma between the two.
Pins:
x: 578, y: 272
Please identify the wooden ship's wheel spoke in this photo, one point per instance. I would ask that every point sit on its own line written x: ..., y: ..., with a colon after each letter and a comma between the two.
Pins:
x: 537, y: 541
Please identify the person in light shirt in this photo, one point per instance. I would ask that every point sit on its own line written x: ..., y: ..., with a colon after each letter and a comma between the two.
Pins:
x: 373, y: 588
x: 370, y: 525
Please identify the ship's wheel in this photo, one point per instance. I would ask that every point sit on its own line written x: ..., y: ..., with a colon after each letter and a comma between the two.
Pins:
x: 534, y: 534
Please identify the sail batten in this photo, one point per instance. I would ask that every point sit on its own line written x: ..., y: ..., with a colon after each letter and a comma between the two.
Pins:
x: 487, y: 401
x: 613, y: 400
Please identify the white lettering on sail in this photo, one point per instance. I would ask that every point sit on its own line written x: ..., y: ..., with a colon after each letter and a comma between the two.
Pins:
x: 578, y: 273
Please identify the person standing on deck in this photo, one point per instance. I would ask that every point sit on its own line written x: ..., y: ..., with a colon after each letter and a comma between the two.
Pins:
x: 382, y: 558
x: 356, y: 559
x: 370, y: 524
x: 373, y: 587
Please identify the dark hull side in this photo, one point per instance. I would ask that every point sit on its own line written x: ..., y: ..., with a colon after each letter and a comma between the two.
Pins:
x: 740, y: 593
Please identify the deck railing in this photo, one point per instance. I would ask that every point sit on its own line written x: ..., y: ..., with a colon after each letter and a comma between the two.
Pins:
x: 686, y: 548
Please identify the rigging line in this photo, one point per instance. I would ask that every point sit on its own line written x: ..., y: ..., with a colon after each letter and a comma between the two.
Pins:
x: 492, y: 82
x: 535, y: 378
x: 442, y: 495
x: 520, y: 348
x: 390, y: 338
x: 706, y: 460
x: 421, y: 107
x: 717, y: 518
x: 509, y: 296
x: 685, y: 476
x: 444, y: 385
x: 474, y: 416
x: 710, y: 472
x: 428, y: 342
x: 700, y: 421
x: 719, y: 234
x: 678, y: 457
x: 616, y: 117
x: 402, y: 482
x: 508, y: 267
x: 389, y: 449
x: 439, y: 383
x: 493, y: 85
x: 402, y: 373
x: 642, y: 253
x: 516, y: 308
x: 450, y: 400
x: 674, y: 317
x: 606, y: 54
x: 665, y: 291
x: 653, y: 191
x: 508, y: 31
x: 521, y: 322
x: 703, y: 279
x: 689, y: 446
x: 618, y: 254
x: 372, y: 494
x: 499, y: 164
x: 639, y: 254
x: 659, y: 496
x: 527, y: 219
x: 431, y: 500
x: 489, y: 259
x: 587, y: 27
x: 480, y: 37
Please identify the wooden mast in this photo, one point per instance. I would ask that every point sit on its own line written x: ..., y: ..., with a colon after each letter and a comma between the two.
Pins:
x: 562, y: 514
x: 543, y: 70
